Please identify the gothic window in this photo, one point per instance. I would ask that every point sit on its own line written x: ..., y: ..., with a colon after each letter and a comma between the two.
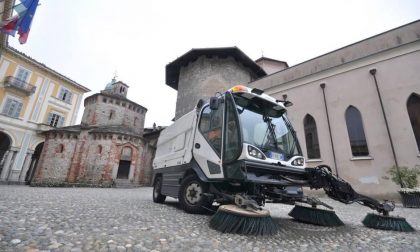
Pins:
x: 413, y: 108
x: 311, y: 137
x: 356, y: 132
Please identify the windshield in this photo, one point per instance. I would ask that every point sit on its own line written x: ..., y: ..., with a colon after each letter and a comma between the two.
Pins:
x: 265, y: 126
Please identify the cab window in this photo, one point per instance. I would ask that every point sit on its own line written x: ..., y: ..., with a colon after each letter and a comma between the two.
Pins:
x: 210, y: 126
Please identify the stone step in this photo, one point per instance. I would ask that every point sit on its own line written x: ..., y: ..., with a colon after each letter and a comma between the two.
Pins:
x: 125, y: 183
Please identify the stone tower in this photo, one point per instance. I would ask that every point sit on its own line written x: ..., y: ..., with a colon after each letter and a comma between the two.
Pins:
x: 112, y: 108
x: 200, y: 73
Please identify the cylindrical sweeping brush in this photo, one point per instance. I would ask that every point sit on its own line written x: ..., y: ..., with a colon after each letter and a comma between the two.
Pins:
x: 233, y: 219
x: 383, y: 222
x: 315, y: 216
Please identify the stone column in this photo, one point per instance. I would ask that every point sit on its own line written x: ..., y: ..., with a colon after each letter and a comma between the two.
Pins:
x: 25, y: 168
x: 7, y: 166
x: 32, y: 168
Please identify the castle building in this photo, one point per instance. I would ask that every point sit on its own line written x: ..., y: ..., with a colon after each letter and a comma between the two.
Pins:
x: 108, y: 148
x: 356, y: 109
x: 33, y: 98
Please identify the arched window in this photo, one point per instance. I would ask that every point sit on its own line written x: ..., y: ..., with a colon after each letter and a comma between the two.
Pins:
x: 311, y: 137
x: 99, y: 149
x: 60, y: 148
x: 126, y: 154
x: 413, y: 108
x: 356, y: 132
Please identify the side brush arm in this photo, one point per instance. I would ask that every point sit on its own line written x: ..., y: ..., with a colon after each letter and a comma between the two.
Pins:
x: 338, y: 189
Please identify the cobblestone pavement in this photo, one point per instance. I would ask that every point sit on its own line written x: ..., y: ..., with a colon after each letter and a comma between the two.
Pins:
x: 83, y: 219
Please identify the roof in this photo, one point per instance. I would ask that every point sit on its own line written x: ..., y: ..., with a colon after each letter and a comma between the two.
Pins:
x: 270, y: 59
x: 118, y: 129
x: 152, y: 131
x: 115, y: 96
x: 173, y: 68
x: 45, y: 68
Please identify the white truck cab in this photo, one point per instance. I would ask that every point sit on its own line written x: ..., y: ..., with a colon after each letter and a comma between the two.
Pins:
x: 239, y: 139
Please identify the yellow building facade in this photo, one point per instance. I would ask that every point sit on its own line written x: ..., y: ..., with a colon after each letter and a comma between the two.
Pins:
x: 33, y: 98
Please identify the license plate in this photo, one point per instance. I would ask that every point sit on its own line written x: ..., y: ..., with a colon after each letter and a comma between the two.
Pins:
x: 275, y: 155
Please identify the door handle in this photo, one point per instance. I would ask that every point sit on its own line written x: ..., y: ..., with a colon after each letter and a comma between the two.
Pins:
x: 197, y: 145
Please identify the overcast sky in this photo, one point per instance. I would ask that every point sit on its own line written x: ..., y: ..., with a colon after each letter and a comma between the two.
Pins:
x: 88, y: 40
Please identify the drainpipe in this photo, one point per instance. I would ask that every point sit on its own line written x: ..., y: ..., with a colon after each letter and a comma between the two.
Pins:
x: 322, y: 85
x: 373, y: 73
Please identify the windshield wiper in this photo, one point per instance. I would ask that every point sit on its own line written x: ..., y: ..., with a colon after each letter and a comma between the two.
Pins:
x: 271, y: 130
x: 292, y: 130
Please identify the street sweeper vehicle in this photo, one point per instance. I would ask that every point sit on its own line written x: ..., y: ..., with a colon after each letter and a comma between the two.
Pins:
x: 239, y: 151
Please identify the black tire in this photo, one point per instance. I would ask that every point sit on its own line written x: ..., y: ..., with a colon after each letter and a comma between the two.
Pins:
x: 191, y: 195
x: 157, y: 187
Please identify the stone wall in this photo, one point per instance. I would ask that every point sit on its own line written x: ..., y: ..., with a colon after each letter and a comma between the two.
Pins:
x: 56, y: 158
x: 204, y: 77
x: 87, y: 158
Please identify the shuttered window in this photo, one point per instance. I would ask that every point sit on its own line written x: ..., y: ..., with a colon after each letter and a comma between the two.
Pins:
x: 12, y: 107
x: 55, y: 120
x: 22, y: 74
x: 65, y: 95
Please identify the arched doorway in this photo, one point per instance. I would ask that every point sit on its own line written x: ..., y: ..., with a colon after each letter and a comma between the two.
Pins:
x: 5, y: 144
x: 125, y: 163
x: 34, y: 162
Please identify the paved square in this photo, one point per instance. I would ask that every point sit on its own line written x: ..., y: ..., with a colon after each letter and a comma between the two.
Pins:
x: 83, y: 219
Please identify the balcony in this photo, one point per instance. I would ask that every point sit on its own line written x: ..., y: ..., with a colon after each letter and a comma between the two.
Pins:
x: 18, y: 85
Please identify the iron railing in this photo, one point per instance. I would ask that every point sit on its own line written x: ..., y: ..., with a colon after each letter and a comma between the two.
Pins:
x: 12, y: 82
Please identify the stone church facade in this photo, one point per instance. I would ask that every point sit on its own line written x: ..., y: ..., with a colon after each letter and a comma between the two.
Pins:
x: 109, y: 148
x: 356, y: 109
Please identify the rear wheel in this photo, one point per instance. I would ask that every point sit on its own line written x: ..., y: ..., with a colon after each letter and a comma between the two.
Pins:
x: 191, y: 195
x: 157, y: 187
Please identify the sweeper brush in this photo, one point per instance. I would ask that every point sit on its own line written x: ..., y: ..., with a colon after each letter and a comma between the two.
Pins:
x: 234, y: 219
x: 316, y: 216
x: 383, y: 222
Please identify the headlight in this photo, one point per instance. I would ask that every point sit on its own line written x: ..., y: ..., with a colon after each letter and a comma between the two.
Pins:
x: 254, y: 152
x: 298, y: 162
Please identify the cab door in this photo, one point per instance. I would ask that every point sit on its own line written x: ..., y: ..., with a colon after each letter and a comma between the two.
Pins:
x: 207, y: 147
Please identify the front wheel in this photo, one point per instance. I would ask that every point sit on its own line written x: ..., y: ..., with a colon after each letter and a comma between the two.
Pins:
x: 191, y: 195
x: 157, y: 187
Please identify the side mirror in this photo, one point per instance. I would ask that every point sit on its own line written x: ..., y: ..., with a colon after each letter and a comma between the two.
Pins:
x: 200, y: 104
x: 287, y: 104
x: 214, y: 103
